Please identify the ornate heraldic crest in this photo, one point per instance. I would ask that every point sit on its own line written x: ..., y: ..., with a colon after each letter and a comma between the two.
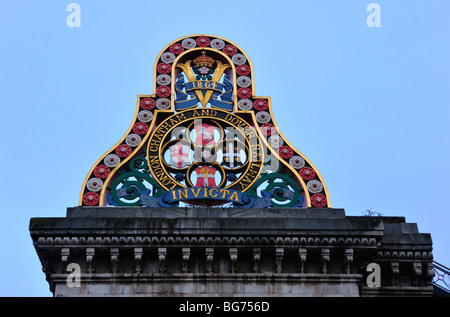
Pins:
x: 203, y: 139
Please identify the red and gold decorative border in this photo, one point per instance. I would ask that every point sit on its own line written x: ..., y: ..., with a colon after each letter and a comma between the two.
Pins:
x: 101, y: 175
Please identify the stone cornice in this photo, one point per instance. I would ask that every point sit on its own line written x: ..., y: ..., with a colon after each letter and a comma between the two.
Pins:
x: 156, y: 247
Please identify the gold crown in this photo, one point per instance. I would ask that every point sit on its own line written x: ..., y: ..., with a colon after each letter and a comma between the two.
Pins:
x: 204, y: 60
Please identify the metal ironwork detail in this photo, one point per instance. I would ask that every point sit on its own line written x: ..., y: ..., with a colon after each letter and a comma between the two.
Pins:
x: 441, y: 277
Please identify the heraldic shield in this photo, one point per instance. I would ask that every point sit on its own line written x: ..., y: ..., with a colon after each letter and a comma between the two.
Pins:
x: 203, y: 138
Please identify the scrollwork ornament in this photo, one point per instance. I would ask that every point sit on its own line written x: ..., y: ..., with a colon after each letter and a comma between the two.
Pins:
x: 145, y: 116
x: 133, y: 140
x: 244, y: 81
x: 314, y: 186
x: 239, y: 59
x: 297, y: 162
x: 281, y: 189
x: 263, y: 117
x: 112, y: 160
x: 130, y: 188
x: 94, y: 184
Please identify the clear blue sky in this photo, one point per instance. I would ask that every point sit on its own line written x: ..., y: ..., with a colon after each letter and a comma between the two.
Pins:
x: 369, y: 107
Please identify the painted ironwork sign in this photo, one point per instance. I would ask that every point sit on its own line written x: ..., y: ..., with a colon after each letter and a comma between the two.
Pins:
x: 203, y: 139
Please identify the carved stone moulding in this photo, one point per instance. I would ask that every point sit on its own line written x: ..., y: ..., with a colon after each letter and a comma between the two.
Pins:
x: 198, y: 241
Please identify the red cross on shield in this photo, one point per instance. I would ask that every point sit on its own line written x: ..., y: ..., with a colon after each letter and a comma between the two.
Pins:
x: 179, y: 155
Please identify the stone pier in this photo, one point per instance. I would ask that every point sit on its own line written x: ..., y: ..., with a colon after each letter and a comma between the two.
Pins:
x: 136, y: 251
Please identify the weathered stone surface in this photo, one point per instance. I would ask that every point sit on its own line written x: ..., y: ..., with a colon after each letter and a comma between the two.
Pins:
x: 137, y: 251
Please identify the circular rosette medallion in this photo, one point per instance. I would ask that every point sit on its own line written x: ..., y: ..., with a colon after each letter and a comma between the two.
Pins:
x: 102, y: 171
x: 203, y: 41
x: 176, y: 49
x: 275, y: 141
x: 268, y: 129
x: 297, y: 162
x: 244, y: 92
x: 123, y: 150
x: 318, y: 200
x: 263, y: 117
x: 261, y: 104
x: 239, y: 59
x: 94, y: 184
x: 218, y: 44
x: 163, y: 79
x: 169, y: 57
x: 112, y: 160
x: 91, y: 199
x: 245, y: 104
x: 163, y: 91
x: 133, y: 140
x: 314, y: 186
x: 285, y: 151
x: 307, y: 173
x: 244, y: 81
x: 230, y: 50
x: 140, y: 128
x: 163, y: 103
x: 147, y: 104
x: 243, y: 70
x: 188, y: 43
x: 164, y: 68
x: 145, y: 116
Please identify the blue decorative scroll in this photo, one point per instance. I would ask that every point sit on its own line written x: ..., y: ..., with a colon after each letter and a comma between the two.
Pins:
x: 173, y: 197
x: 225, y: 97
x: 182, y: 101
